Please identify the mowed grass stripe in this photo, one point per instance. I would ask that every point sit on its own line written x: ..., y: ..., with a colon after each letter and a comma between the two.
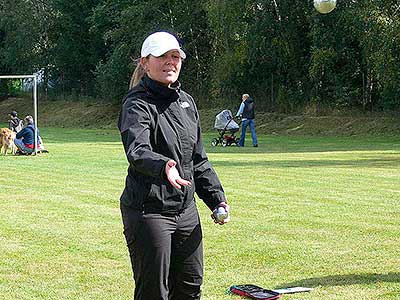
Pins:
x: 311, y: 211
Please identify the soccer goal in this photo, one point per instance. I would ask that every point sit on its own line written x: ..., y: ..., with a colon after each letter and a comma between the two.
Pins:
x: 35, y: 98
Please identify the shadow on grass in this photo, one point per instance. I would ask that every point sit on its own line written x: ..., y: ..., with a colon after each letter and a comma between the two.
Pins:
x: 356, y: 163
x: 343, y: 280
x: 306, y: 146
x: 268, y: 144
x: 301, y: 144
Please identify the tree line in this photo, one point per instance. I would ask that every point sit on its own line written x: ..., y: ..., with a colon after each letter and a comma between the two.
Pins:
x: 282, y: 52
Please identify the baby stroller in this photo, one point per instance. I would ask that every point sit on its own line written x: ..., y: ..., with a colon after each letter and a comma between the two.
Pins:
x: 226, y: 127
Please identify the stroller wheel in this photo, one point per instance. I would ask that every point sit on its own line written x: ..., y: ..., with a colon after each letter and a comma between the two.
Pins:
x: 214, y: 142
x: 225, y: 143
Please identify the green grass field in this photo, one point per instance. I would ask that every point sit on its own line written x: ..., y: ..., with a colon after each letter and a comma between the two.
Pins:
x: 315, y: 212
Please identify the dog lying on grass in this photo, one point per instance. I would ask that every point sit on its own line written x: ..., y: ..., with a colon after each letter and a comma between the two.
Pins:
x: 7, y: 137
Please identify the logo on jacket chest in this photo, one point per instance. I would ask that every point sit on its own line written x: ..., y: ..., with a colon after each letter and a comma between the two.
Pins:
x: 184, y: 104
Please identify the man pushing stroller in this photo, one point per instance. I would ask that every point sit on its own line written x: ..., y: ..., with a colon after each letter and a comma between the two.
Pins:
x: 247, y: 112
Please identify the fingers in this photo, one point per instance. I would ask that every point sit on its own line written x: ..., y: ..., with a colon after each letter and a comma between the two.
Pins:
x: 221, y: 214
x: 173, y: 175
x: 183, y: 182
x: 174, y: 183
x: 225, y: 220
x: 222, y: 222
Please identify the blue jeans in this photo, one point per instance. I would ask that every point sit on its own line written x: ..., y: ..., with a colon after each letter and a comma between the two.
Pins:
x: 250, y: 123
x: 21, y: 146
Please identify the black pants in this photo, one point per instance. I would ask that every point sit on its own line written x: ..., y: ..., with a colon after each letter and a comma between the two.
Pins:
x: 166, y: 254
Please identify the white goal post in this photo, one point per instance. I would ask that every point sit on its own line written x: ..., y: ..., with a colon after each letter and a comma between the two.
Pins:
x: 34, y: 100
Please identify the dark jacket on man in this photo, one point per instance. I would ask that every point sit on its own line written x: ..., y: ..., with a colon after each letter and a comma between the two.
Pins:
x: 159, y: 124
x: 15, y: 124
x: 249, y: 108
x: 27, y: 135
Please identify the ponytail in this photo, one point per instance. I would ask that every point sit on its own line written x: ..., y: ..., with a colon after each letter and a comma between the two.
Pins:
x: 137, y: 74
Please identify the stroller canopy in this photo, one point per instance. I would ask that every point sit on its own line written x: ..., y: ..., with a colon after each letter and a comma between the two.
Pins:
x: 224, y: 121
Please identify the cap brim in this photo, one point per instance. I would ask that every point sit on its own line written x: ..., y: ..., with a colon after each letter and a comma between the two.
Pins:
x: 161, y: 52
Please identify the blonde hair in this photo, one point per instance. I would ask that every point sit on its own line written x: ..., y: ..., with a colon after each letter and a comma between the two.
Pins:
x: 137, y: 74
x: 29, y: 119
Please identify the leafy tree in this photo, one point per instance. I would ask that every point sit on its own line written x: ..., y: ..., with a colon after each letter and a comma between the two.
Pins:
x: 381, y: 53
x: 18, y: 35
x: 125, y: 28
x: 262, y: 49
x: 283, y: 53
x: 77, y: 49
x: 25, y: 46
x: 354, y: 60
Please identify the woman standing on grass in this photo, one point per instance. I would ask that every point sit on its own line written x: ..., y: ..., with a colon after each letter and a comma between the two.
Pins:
x: 160, y: 131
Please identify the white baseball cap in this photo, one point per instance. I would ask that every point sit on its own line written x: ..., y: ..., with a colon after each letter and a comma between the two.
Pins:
x: 159, y: 43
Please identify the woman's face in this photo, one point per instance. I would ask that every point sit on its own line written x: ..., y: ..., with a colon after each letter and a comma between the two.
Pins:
x: 165, y: 68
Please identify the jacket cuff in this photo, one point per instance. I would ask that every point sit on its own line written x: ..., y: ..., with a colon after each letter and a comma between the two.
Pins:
x: 162, y: 165
x: 215, y: 200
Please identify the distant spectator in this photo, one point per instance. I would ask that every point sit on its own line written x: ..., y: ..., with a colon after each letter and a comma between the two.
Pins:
x: 15, y: 123
x: 247, y: 112
x: 25, y: 139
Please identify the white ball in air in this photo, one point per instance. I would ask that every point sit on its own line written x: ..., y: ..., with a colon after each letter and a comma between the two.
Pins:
x: 324, y: 6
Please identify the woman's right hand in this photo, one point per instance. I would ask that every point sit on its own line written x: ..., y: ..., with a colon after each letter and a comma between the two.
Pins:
x: 173, y: 175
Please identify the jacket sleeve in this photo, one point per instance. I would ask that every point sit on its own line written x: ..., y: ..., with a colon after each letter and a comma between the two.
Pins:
x: 240, y: 111
x: 208, y: 186
x: 21, y: 134
x: 135, y: 124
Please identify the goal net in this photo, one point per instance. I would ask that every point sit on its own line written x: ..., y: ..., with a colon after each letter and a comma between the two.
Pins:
x: 35, y: 98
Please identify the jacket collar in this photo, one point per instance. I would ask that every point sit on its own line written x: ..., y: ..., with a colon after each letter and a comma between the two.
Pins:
x: 161, y: 92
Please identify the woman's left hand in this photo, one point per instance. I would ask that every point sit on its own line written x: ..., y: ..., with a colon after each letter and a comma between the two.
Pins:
x: 173, y: 175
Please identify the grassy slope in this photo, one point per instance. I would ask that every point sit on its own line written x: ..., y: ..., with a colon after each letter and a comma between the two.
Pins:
x: 315, y: 212
x: 92, y: 115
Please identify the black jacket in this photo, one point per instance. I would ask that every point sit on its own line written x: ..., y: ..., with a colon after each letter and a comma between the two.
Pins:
x: 157, y: 124
x: 15, y: 124
x: 249, y: 108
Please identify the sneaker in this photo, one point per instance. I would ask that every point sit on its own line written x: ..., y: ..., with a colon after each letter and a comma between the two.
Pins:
x: 256, y: 145
x: 19, y: 152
